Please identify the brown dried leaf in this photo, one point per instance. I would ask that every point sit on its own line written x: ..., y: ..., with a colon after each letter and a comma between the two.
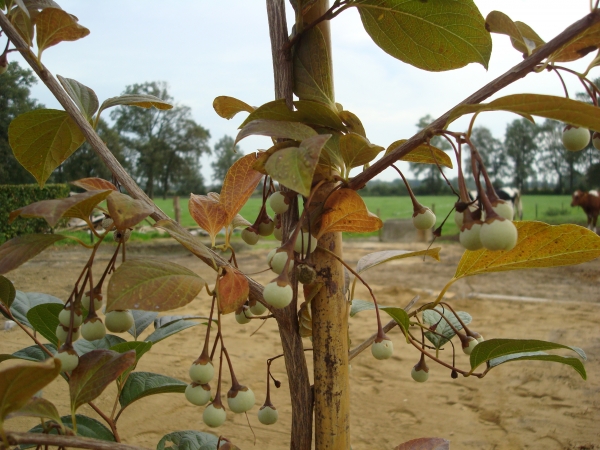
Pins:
x: 126, y: 211
x: 190, y: 242
x: 423, y: 154
x: 210, y: 214
x: 233, y: 290
x: 152, y: 285
x: 55, y: 25
x: 94, y: 184
x: 345, y: 210
x: 377, y: 258
x: 310, y: 290
x: 21, y: 249
x: 86, y: 203
x: 228, y: 107
x: 538, y: 245
x: 238, y: 186
x: 585, y: 43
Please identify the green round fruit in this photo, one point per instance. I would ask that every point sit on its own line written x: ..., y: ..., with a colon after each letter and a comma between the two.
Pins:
x: 250, y: 236
x: 469, y: 237
x: 266, y: 228
x: 498, y: 234
x: 64, y: 317
x: 480, y: 338
x: 419, y: 376
x: 119, y: 321
x: 278, y: 233
x: 301, y: 244
x: 258, y: 309
x: 424, y: 219
x: 69, y: 359
x: 214, y: 416
x: 268, y: 415
x: 240, y: 401
x: 278, y: 262
x: 270, y: 256
x: 202, y: 373
x: 278, y: 296
x: 596, y: 140
x: 469, y: 345
x: 278, y: 202
x: 504, y: 209
x: 383, y: 349
x: 93, y: 329
x: 197, y: 394
x: 122, y: 236
x: 85, y: 302
x: 107, y: 222
x: 63, y: 332
x: 575, y: 138
x: 242, y: 315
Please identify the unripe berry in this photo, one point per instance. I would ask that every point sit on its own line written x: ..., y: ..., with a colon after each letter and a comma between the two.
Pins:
x: 197, y: 394
x: 119, y: 321
x: 480, y: 339
x: 469, y: 237
x: 278, y: 262
x: 382, y: 349
x: 301, y: 244
x: 278, y: 202
x: 240, y: 401
x: 270, y: 256
x: 64, y: 317
x: 107, y: 222
x: 63, y: 332
x: 242, y: 315
x: 68, y: 358
x: 575, y: 138
x: 498, y: 234
x: 85, y: 301
x: 423, y: 219
x: 419, y: 375
x: 93, y: 329
x: 278, y: 296
x: 214, y: 416
x: 266, y: 228
x: 250, y: 236
x: 596, y: 140
x: 202, y: 373
x: 258, y: 309
x: 278, y: 233
x: 268, y: 415
x: 468, y: 344
x: 504, y: 209
x: 121, y: 236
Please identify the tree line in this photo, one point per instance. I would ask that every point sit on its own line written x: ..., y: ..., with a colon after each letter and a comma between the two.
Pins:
x: 163, y: 150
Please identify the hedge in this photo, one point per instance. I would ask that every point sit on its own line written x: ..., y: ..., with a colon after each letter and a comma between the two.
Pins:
x: 16, y: 196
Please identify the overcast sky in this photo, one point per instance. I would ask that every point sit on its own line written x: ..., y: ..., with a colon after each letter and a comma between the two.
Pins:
x: 207, y: 48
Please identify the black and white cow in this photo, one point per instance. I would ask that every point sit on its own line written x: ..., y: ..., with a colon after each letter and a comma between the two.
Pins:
x: 508, y: 194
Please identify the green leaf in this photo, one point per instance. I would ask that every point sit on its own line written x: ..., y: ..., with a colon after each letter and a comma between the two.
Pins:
x: 319, y: 114
x: 141, y: 321
x: 433, y: 35
x: 294, y: 167
x: 82, y: 346
x: 166, y: 320
x: 44, y: 319
x: 18, y: 383
x: 140, y: 348
x: 296, y: 131
x: 423, y: 154
x: 540, y: 356
x: 377, y: 258
x: 331, y: 155
x: 152, y: 286
x: 357, y: 151
x: 126, y: 211
x: 139, y: 100
x: 165, y: 331
x: 522, y: 37
x: 228, y: 107
x: 7, y: 291
x: 38, y: 407
x: 24, y: 301
x: 497, y: 348
x: 42, y: 139
x: 313, y: 68
x: 84, y: 97
x: 143, y: 384
x: 434, y: 319
x: 275, y: 110
x: 188, y: 440
x: 398, y: 314
x: 96, y: 370
x: 34, y: 353
x: 353, y: 123
x: 85, y: 204
x: 86, y: 427
x: 558, y: 108
x: 54, y: 25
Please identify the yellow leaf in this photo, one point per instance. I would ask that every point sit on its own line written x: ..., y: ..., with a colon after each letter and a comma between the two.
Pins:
x: 357, y: 151
x: 345, y: 210
x: 423, y: 154
x: 228, y: 107
x: 585, y: 43
x: 538, y: 245
x: 522, y: 37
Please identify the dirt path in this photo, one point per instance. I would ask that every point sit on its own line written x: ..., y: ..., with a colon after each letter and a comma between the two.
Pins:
x: 521, y: 405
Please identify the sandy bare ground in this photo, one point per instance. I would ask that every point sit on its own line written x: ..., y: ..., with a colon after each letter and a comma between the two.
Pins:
x: 522, y: 405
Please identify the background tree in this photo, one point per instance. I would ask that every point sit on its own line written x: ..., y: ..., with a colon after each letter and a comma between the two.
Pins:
x: 14, y: 100
x: 165, y: 146
x: 225, y: 155
x: 521, y: 148
x: 493, y: 153
x: 433, y: 182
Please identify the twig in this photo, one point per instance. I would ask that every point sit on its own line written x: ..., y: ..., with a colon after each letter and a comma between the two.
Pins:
x: 66, y: 441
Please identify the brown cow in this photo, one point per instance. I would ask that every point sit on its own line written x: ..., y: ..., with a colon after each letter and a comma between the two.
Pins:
x: 590, y: 202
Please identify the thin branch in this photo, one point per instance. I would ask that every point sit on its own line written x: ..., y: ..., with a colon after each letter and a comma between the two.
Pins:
x: 66, y: 441
x: 367, y: 342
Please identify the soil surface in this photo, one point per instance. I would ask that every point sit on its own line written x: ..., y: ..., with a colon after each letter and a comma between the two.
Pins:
x: 519, y: 405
